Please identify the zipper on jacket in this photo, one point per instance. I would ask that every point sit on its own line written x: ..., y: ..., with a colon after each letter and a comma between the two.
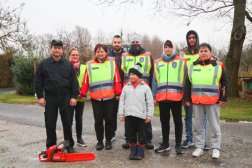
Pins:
x: 58, y: 78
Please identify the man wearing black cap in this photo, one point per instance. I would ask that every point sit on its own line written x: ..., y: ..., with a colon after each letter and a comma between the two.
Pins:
x: 56, y: 77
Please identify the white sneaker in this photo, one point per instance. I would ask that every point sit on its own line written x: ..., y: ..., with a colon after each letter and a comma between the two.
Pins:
x: 113, y: 138
x: 198, y: 152
x: 216, y: 154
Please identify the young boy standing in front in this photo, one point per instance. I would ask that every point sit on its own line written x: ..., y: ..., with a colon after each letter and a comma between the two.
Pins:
x: 136, y: 105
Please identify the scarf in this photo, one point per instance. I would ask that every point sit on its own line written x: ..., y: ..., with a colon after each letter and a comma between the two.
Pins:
x: 76, y: 64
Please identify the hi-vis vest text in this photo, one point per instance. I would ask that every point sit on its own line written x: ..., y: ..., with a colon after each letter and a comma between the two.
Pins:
x: 189, y: 57
x: 101, y: 78
x: 128, y: 61
x: 80, y: 79
x: 205, y: 83
x: 170, y: 78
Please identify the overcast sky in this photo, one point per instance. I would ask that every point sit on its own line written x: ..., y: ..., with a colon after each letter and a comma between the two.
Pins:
x: 45, y: 16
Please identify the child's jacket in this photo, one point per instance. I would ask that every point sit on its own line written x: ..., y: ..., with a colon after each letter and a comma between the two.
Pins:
x: 137, y: 102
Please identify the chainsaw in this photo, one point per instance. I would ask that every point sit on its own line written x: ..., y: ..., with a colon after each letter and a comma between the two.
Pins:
x: 57, y: 153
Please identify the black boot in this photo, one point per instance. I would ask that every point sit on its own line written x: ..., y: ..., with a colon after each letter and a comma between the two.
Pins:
x: 132, y: 151
x: 108, y: 145
x: 99, y: 145
x: 126, y: 145
x: 140, y: 152
x: 178, y: 149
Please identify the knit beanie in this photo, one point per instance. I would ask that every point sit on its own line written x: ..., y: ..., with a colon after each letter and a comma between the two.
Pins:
x: 136, y: 38
x: 136, y: 69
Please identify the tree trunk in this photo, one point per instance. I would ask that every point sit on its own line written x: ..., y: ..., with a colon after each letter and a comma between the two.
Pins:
x: 235, y: 49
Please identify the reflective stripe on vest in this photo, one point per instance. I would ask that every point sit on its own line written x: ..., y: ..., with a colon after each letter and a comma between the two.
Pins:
x: 170, y: 79
x: 80, y: 79
x: 101, y: 84
x: 189, y: 57
x: 205, y: 91
x: 145, y: 67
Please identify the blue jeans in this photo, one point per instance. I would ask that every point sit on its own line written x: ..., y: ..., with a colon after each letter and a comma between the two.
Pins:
x: 188, y: 123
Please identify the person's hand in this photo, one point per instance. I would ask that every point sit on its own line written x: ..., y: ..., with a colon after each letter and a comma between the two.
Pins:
x: 188, y: 104
x: 155, y: 102
x: 221, y: 103
x: 84, y: 98
x: 121, y: 119
x: 147, y: 120
x: 73, y: 102
x: 42, y: 102
x: 79, y: 96
x: 117, y: 97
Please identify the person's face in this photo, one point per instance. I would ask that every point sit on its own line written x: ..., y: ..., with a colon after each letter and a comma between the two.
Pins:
x: 192, y: 40
x: 204, y: 53
x: 135, y: 42
x: 117, y: 44
x: 74, y: 56
x: 168, y: 50
x: 56, y: 51
x: 100, y: 53
x: 134, y: 78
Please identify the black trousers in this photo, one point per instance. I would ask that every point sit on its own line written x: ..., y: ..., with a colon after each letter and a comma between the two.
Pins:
x: 78, y: 117
x: 53, y: 105
x: 136, y: 129
x: 148, y: 132
x: 115, y: 116
x: 176, y: 108
x: 103, y: 110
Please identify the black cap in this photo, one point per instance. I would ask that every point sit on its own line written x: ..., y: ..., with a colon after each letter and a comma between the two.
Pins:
x: 56, y: 42
x: 136, y: 69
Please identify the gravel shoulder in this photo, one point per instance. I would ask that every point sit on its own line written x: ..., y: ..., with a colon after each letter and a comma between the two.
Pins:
x: 22, y: 137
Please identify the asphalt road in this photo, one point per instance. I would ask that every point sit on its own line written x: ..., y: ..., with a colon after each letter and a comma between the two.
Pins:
x: 22, y: 137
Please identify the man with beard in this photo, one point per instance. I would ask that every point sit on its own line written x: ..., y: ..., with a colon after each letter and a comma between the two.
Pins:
x: 56, y: 78
x: 116, y: 53
x: 129, y: 59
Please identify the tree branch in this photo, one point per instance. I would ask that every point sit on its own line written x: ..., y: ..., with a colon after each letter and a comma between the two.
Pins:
x: 248, y: 16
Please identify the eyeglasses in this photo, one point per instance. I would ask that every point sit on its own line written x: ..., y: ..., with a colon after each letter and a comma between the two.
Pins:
x: 191, y: 38
x: 74, y: 55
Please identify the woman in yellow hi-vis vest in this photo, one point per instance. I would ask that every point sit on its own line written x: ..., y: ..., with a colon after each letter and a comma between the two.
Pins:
x: 103, y: 79
x: 80, y: 69
x: 167, y: 90
x: 207, y: 88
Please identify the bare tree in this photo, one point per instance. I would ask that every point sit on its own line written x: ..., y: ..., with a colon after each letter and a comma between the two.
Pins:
x: 13, y: 31
x: 231, y: 10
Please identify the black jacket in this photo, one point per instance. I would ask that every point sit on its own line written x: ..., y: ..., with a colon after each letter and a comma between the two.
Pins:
x: 117, y: 57
x: 223, y: 81
x: 56, y: 78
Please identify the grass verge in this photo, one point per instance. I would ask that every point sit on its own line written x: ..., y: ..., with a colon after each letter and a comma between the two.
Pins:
x: 16, y: 98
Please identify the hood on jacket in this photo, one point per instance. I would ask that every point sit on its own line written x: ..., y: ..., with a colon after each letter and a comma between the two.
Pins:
x: 173, y: 49
x: 188, y: 49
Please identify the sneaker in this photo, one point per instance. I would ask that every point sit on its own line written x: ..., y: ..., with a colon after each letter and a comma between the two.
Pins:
x: 216, y: 154
x: 80, y: 142
x: 108, y: 145
x: 149, y: 145
x: 206, y: 147
x: 187, y: 143
x: 125, y: 145
x: 99, y: 145
x: 178, y: 149
x: 70, y: 149
x: 113, y: 138
x: 163, y: 147
x: 198, y: 152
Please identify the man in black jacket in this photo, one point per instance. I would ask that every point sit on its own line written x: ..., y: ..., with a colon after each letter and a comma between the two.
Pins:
x: 56, y: 77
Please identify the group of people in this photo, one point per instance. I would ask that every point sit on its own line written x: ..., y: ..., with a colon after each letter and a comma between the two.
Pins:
x: 130, y: 84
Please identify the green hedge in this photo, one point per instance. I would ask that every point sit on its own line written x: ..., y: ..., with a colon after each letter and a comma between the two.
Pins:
x: 24, y: 73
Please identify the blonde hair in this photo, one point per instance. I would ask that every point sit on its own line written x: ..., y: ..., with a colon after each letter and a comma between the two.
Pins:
x: 72, y: 49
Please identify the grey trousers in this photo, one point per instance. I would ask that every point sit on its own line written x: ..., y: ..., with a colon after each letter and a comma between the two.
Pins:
x: 213, y: 116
